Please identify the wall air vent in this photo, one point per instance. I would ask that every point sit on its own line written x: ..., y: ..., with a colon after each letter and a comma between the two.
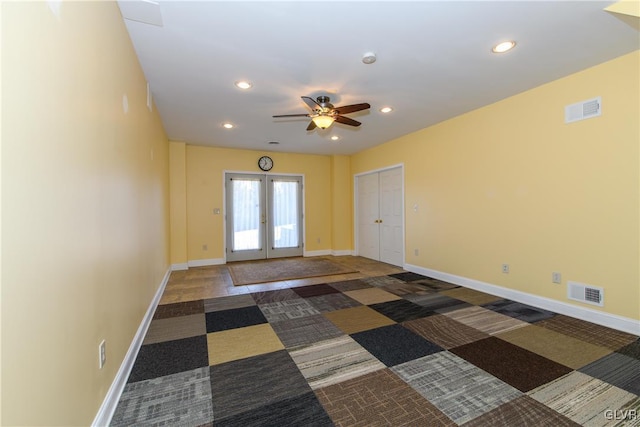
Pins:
x: 585, y: 293
x: 583, y: 110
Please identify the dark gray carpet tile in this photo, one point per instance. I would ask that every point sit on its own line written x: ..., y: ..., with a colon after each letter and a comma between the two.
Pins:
x: 179, y: 309
x: 514, y: 365
x: 235, y: 318
x: 170, y: 357
x: 332, y: 302
x: 279, y: 295
x: 350, y: 285
x: 618, y: 369
x: 408, y: 276
x: 247, y: 384
x: 520, y: 311
x: 304, y: 410
x: 437, y: 302
x: 228, y: 303
x: 631, y: 350
x: 314, y: 290
x: 305, y: 330
x: 402, y: 310
x: 178, y: 399
x: 394, y: 344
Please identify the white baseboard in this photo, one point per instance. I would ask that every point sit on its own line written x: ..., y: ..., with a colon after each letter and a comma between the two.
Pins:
x: 613, y: 321
x: 344, y: 252
x: 323, y: 252
x: 110, y: 402
x: 205, y: 262
x: 180, y: 266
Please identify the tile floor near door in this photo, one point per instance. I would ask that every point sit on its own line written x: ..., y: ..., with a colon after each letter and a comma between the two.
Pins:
x: 378, y: 347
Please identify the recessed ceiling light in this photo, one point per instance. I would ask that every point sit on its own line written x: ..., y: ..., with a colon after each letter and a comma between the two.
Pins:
x: 503, y: 47
x: 369, y: 58
x: 227, y: 125
x: 335, y: 138
x: 243, y: 84
x: 386, y: 109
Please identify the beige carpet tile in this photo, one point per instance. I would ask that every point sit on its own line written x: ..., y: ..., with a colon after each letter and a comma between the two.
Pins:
x: 583, y: 399
x: 174, y: 328
x: 558, y: 347
x: 445, y: 332
x: 228, y: 303
x: 333, y: 361
x: 357, y: 319
x: 381, y: 399
x: 589, y: 332
x: 470, y: 295
x: 371, y: 296
x: 234, y: 344
x: 485, y: 320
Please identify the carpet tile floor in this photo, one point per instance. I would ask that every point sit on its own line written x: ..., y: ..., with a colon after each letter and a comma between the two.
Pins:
x: 380, y: 347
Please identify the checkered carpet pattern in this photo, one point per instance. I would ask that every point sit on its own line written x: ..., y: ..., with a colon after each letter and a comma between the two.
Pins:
x: 396, y: 350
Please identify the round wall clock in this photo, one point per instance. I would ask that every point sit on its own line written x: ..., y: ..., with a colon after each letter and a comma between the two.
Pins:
x: 265, y: 163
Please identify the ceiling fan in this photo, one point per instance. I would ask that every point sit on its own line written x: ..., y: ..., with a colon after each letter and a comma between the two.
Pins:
x: 324, y: 113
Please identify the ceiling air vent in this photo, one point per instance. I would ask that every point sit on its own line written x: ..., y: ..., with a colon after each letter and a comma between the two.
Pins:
x: 585, y: 293
x: 583, y: 110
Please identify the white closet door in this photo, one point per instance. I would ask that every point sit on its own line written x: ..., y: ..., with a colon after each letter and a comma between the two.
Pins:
x: 380, y: 216
x: 391, y: 217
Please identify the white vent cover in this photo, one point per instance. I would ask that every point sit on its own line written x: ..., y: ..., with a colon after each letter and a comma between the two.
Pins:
x: 583, y: 110
x: 585, y: 293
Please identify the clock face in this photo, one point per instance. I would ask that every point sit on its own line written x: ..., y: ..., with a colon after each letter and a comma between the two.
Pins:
x: 265, y: 163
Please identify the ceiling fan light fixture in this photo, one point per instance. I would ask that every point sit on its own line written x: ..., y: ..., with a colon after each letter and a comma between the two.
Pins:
x: 503, y: 47
x: 323, y: 122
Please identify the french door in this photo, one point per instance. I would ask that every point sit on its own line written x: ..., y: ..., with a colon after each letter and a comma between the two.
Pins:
x: 263, y: 215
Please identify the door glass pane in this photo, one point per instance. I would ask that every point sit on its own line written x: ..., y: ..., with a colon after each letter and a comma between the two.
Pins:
x: 246, y: 214
x: 285, y: 214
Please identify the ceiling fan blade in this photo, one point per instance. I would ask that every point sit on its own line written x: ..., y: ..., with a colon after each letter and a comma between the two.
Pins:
x: 292, y: 115
x: 347, y: 121
x: 311, y: 103
x: 312, y: 125
x: 346, y: 109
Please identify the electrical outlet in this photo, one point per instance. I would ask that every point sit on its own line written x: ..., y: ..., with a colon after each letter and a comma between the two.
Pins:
x: 102, y: 353
x: 416, y: 252
x: 505, y: 268
x: 556, y: 277
x: 205, y: 247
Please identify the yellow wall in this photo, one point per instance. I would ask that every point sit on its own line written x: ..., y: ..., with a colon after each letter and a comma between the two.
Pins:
x: 178, y: 203
x: 512, y: 183
x: 341, y: 206
x: 84, y: 207
x: 205, y: 168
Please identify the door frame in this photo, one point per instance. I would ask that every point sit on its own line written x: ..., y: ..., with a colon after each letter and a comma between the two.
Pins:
x: 356, y: 207
x: 267, y: 174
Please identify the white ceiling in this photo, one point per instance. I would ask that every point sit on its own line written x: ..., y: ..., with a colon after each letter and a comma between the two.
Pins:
x: 434, y: 63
